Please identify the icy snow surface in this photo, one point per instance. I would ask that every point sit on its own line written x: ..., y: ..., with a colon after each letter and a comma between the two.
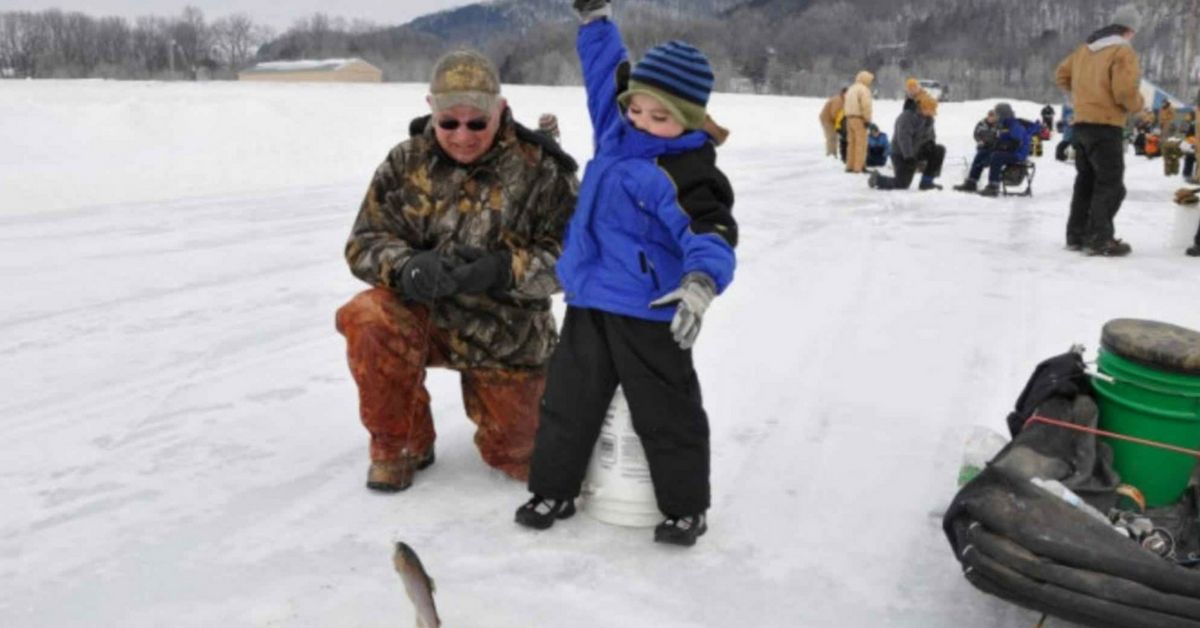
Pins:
x: 181, y: 441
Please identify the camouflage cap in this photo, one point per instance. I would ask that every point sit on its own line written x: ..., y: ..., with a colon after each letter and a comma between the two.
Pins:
x: 464, y: 77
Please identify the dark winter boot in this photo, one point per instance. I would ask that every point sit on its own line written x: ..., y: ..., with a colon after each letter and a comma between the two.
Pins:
x: 1112, y: 248
x: 928, y: 184
x: 681, y: 530
x: 541, y: 512
x: 991, y: 191
x: 393, y: 476
x: 1193, y: 251
x: 970, y: 185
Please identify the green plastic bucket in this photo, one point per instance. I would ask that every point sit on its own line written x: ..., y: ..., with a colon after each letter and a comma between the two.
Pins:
x: 1153, y: 404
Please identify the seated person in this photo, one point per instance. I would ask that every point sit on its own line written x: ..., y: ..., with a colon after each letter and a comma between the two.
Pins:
x: 1011, y: 146
x: 915, y: 141
x: 878, y: 147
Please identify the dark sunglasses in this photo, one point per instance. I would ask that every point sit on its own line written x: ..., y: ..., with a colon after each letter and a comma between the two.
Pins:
x: 475, y: 125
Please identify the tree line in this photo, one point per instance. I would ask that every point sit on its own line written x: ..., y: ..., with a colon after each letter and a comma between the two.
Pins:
x: 57, y: 44
x: 981, y: 48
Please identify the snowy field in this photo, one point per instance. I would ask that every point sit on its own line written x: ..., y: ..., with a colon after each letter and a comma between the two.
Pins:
x: 181, y: 441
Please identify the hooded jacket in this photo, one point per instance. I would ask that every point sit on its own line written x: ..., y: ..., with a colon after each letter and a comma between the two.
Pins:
x: 858, y: 97
x: 985, y: 134
x: 1013, y: 137
x: 913, y: 131
x: 832, y: 109
x: 516, y: 198
x: 650, y: 209
x: 1104, y: 79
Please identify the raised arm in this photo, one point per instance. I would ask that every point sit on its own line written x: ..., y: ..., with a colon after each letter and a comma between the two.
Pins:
x: 601, y: 53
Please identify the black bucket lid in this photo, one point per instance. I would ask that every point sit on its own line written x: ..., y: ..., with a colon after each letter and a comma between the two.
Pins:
x: 1162, y: 345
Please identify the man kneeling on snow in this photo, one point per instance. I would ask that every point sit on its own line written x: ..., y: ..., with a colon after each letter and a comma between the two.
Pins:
x: 458, y: 234
x: 914, y: 142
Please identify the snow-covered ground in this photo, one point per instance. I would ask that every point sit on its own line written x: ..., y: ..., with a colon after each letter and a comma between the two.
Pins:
x: 181, y: 442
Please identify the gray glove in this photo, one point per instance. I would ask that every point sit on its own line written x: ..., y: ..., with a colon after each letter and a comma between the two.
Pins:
x: 589, y: 10
x: 694, y: 295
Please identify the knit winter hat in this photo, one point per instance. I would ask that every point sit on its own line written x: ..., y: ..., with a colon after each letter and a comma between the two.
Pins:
x: 1128, y: 16
x: 679, y: 76
x: 911, y: 85
x: 1004, y: 111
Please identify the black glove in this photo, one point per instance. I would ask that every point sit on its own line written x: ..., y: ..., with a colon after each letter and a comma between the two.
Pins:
x: 479, y: 271
x: 425, y: 277
x: 590, y: 9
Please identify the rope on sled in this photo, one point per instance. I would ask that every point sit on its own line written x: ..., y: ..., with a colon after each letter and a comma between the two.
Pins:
x: 1091, y: 430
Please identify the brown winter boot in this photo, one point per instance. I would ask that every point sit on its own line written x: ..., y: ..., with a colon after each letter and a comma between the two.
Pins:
x: 1111, y: 248
x: 393, y: 476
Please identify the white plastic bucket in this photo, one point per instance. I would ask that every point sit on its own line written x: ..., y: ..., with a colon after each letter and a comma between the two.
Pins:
x: 1187, y: 220
x: 618, y: 488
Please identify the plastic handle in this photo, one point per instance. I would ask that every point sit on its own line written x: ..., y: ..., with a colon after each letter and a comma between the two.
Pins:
x: 1113, y: 381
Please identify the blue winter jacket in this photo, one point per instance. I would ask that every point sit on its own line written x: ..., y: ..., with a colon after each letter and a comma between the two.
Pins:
x: 878, y: 144
x: 650, y: 209
x: 1014, y: 138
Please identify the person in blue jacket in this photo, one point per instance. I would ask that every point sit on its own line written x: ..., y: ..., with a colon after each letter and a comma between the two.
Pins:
x: 650, y: 244
x: 878, y: 147
x: 1010, y: 146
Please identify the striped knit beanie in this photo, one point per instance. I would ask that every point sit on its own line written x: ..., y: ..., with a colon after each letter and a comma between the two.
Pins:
x: 678, y: 75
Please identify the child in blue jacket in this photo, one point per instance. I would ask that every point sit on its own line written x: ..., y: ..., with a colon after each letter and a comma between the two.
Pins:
x: 650, y: 244
x: 878, y: 147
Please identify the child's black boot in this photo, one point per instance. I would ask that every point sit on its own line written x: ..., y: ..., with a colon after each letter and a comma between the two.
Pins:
x: 541, y: 512
x: 681, y: 530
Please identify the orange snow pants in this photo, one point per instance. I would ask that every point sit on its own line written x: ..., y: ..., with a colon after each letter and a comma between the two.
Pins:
x: 390, y: 343
x: 856, y: 161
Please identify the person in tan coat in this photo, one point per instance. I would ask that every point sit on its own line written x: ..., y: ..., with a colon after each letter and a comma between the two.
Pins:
x: 1103, y: 77
x: 829, y: 115
x: 858, y: 108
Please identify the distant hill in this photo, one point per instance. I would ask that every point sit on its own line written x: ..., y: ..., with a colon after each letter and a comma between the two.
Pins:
x: 812, y: 47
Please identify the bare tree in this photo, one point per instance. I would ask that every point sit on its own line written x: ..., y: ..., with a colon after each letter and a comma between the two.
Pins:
x: 193, y: 39
x: 237, y: 38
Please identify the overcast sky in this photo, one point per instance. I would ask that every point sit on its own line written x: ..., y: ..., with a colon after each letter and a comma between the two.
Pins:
x: 278, y: 14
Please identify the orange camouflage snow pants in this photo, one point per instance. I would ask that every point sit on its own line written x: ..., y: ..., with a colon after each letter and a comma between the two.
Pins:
x: 390, y: 344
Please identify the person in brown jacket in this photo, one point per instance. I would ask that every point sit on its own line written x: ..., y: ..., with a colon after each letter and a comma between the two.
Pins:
x: 1103, y: 77
x: 858, y: 108
x: 829, y: 115
x: 458, y: 235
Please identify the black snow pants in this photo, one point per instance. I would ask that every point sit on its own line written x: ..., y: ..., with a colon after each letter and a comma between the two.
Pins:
x: 934, y: 156
x: 596, y: 352
x: 1099, y: 183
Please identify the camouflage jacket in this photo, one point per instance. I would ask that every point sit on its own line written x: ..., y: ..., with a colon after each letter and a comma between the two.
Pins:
x: 517, y: 197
